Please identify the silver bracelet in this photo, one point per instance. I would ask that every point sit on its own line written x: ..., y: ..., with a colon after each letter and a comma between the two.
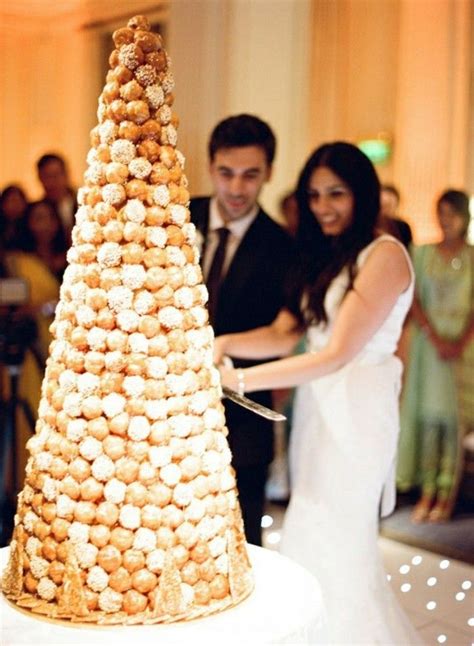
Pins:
x: 239, y: 373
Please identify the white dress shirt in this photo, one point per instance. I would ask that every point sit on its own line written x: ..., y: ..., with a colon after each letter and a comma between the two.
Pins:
x: 238, y: 229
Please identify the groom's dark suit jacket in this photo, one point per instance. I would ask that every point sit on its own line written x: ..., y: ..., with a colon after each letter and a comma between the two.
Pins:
x: 251, y: 295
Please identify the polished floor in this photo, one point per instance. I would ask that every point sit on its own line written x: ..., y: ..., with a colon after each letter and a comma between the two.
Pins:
x: 437, y: 593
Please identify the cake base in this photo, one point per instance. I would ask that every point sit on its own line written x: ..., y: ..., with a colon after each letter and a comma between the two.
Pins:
x: 45, y: 611
x: 285, y: 607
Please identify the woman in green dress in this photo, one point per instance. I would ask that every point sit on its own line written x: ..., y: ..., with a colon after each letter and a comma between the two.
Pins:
x: 438, y: 399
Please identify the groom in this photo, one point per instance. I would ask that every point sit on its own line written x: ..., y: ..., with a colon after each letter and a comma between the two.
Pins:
x: 245, y: 259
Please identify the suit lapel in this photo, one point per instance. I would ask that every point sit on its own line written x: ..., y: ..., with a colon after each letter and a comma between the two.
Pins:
x: 247, y: 256
x: 243, y: 263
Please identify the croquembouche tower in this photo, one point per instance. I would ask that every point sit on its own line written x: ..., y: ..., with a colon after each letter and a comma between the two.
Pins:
x: 129, y: 512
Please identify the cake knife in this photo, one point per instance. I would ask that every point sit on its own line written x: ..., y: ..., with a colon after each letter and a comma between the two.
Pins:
x: 259, y: 409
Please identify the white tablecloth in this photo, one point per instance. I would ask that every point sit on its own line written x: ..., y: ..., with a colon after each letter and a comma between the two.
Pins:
x: 285, y: 608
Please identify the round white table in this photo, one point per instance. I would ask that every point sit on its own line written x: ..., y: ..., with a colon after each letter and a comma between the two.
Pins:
x: 285, y: 608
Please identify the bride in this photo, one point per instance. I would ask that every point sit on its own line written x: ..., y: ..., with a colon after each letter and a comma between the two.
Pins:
x: 355, y: 290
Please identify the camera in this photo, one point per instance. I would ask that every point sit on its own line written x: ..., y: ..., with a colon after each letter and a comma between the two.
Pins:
x: 13, y: 292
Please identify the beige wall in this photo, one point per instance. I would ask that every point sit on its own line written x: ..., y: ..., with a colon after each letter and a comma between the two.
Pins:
x: 354, y: 66
x: 433, y: 117
x: 243, y: 56
x: 45, y: 101
x: 315, y: 69
x: 400, y: 67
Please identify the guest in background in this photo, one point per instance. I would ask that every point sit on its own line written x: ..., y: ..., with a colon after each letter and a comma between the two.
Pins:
x: 43, y: 235
x: 13, y: 204
x: 245, y: 258
x: 53, y: 175
x: 40, y: 260
x: 438, y: 399
x: 34, y: 268
x: 389, y: 220
x: 289, y: 212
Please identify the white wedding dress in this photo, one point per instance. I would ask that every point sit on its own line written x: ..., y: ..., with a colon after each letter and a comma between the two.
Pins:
x: 342, y: 458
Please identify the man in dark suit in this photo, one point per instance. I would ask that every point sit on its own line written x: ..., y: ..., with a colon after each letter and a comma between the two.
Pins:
x: 53, y: 175
x: 245, y: 258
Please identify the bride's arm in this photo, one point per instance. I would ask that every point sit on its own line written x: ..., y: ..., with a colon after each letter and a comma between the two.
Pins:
x: 383, y: 277
x: 277, y: 339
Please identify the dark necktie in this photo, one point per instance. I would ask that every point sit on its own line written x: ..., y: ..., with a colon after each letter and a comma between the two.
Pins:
x: 214, y: 276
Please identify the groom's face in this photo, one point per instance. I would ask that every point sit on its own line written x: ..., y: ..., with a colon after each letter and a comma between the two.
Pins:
x: 238, y: 175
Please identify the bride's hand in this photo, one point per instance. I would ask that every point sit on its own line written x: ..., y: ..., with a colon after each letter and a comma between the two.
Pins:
x: 228, y: 376
x: 219, y: 349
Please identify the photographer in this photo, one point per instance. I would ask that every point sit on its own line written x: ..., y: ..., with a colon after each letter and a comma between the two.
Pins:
x: 24, y: 341
x: 17, y: 331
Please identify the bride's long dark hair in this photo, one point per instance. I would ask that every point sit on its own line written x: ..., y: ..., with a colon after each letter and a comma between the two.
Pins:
x: 323, y: 257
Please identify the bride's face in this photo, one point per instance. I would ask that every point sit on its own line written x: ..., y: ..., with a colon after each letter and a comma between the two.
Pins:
x: 331, y: 201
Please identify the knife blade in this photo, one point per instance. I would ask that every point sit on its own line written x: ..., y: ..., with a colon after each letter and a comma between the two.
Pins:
x: 259, y: 409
